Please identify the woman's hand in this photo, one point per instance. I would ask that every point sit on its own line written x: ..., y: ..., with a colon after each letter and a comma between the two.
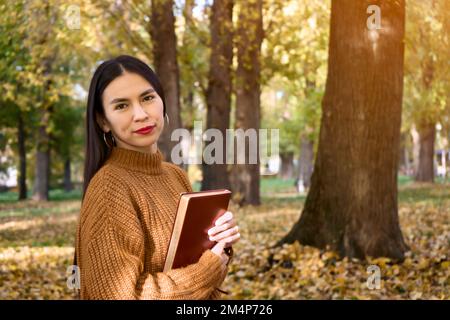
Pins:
x: 218, y: 250
x: 225, y: 230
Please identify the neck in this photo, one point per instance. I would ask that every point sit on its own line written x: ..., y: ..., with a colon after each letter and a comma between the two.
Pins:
x: 153, y: 148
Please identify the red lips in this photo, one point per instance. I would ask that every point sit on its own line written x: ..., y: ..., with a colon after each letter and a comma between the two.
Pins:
x: 145, y: 129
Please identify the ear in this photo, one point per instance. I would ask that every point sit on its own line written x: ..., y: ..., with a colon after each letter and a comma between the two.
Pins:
x: 102, y: 122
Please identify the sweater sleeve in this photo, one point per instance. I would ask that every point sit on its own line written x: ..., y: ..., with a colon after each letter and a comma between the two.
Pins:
x: 115, y: 273
x: 113, y: 251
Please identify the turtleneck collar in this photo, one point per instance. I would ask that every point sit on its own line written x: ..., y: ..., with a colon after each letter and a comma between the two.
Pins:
x: 150, y: 163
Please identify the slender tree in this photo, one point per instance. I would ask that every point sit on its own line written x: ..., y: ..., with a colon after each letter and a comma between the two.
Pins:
x: 426, y: 126
x: 162, y: 30
x: 45, y: 16
x: 218, y: 95
x: 245, y: 177
x: 21, y: 138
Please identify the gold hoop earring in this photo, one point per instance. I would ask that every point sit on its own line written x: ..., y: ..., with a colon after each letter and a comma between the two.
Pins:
x: 167, y: 118
x: 106, y: 142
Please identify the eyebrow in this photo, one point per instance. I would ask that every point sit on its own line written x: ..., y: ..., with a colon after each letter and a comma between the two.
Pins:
x: 116, y: 100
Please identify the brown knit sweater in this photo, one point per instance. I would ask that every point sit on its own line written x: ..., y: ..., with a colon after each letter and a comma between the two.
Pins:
x: 124, y: 231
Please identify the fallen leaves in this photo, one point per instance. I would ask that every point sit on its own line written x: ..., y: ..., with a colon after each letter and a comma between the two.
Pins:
x: 36, y: 247
x: 303, y: 272
x: 34, y: 272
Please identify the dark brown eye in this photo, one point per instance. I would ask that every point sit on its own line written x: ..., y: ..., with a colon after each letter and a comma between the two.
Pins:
x: 149, y: 98
x: 119, y: 106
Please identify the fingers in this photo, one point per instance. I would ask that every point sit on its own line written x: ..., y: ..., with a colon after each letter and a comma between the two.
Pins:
x: 217, y: 229
x: 225, y: 234
x: 229, y: 241
x: 225, y: 230
x: 224, y: 218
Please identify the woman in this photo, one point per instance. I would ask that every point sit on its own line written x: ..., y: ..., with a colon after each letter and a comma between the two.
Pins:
x: 130, y: 196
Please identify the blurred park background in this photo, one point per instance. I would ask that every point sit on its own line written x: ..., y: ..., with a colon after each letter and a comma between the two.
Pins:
x: 360, y: 93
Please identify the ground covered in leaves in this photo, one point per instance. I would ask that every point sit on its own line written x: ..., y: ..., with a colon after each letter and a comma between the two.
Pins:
x: 36, y: 247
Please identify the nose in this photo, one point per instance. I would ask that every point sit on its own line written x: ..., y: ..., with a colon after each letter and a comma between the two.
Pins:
x: 139, y: 112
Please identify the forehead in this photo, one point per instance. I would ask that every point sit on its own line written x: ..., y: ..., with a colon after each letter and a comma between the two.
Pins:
x: 127, y: 85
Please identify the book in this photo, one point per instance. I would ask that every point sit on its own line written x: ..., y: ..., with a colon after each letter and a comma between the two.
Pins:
x: 197, y: 212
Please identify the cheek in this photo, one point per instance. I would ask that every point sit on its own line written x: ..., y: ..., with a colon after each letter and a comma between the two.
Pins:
x: 158, y: 111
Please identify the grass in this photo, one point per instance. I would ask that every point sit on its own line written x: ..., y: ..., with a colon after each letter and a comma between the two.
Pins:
x: 54, y: 195
x: 270, y: 187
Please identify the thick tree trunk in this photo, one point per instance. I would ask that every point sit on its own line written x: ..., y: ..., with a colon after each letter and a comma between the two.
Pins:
x: 68, y: 186
x: 162, y: 30
x: 287, y: 165
x: 218, y: 95
x: 425, y: 170
x: 22, y: 179
x: 306, y: 161
x: 352, y: 203
x: 245, y: 177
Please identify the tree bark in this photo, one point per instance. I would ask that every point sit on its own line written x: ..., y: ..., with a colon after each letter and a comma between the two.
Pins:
x: 287, y: 165
x: 306, y: 161
x: 218, y: 95
x: 68, y: 186
x: 187, y: 107
x: 162, y: 31
x: 403, y: 155
x: 22, y: 179
x: 415, y: 149
x: 42, y: 169
x: 352, y: 206
x: 425, y: 170
x: 245, y: 177
x: 426, y: 130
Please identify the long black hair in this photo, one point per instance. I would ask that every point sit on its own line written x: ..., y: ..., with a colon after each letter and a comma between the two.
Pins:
x: 96, y: 149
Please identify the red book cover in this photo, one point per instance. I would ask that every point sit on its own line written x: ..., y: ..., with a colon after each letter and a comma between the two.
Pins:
x: 197, y: 212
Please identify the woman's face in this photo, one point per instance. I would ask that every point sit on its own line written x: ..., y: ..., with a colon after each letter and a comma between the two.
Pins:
x: 130, y: 103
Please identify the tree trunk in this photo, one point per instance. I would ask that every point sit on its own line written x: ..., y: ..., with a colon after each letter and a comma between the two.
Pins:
x: 42, y: 169
x: 306, y: 161
x: 68, y: 186
x: 352, y: 203
x: 425, y: 170
x: 22, y: 179
x: 188, y: 108
x: 162, y: 30
x: 426, y: 130
x: 403, y: 155
x: 245, y: 177
x: 287, y: 165
x: 218, y: 95
x: 416, y: 148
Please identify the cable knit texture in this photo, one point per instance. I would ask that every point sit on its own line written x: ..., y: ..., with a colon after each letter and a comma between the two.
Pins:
x: 124, y: 231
